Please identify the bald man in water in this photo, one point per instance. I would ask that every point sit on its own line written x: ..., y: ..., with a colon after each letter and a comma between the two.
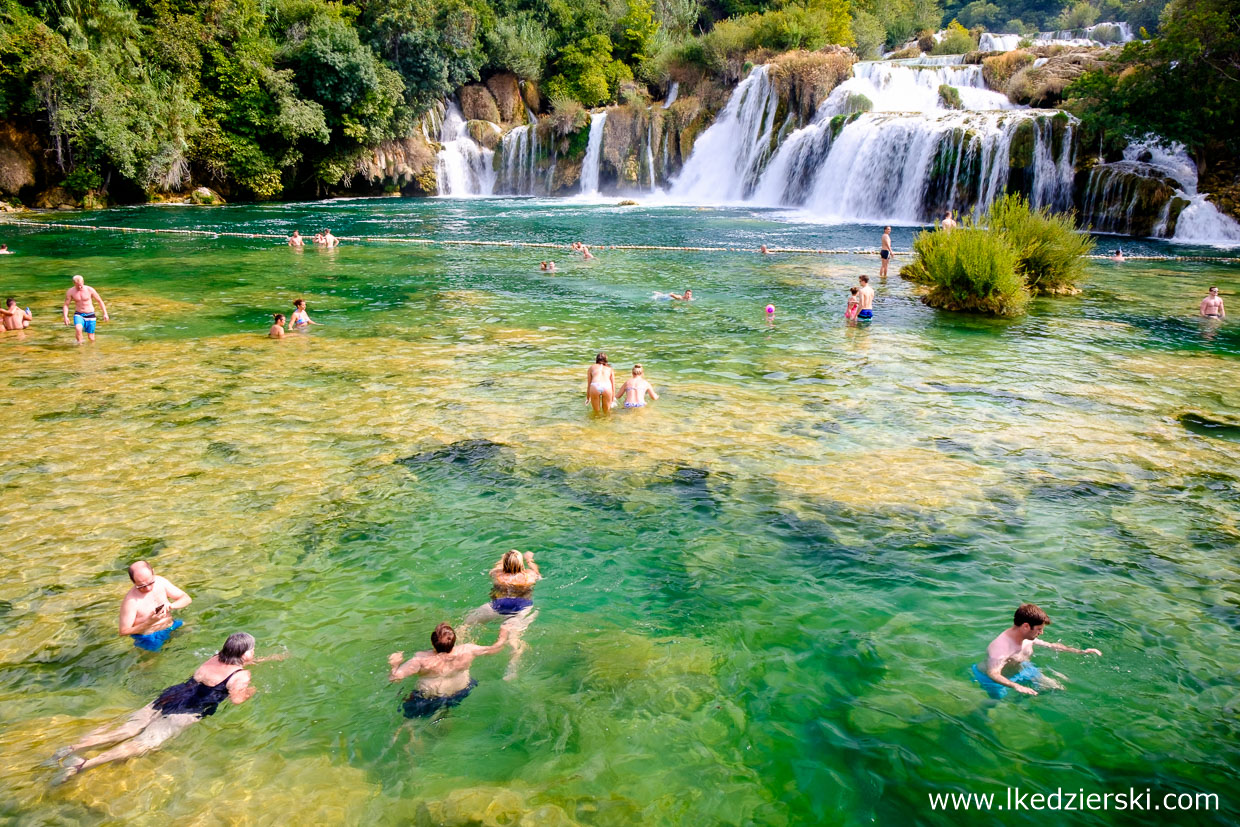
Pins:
x: 83, y: 296
x: 146, y: 611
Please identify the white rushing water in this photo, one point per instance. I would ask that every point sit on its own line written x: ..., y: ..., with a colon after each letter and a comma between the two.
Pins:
x: 593, y: 162
x: 728, y: 157
x: 462, y: 167
x: 1099, y: 34
x: 519, y: 162
x: 907, y: 157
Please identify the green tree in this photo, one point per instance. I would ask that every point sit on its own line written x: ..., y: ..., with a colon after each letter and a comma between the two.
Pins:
x: 588, y: 73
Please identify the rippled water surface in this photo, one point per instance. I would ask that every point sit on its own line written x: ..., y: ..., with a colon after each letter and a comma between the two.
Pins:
x: 762, y: 595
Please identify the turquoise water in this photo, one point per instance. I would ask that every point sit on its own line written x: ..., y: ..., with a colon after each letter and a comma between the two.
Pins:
x: 763, y: 593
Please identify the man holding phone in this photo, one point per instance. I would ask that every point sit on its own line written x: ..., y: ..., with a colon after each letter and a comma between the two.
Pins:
x: 146, y: 611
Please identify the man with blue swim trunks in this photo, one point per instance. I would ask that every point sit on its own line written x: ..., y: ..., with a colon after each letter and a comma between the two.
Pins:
x: 1008, y: 665
x: 83, y: 297
x: 146, y: 611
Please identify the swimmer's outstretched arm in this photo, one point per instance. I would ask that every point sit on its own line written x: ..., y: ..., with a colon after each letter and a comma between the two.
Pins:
x: 400, y: 671
x: 494, y: 647
x: 1059, y: 647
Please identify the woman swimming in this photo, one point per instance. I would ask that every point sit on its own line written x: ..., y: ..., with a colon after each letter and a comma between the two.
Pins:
x: 512, y: 598
x: 300, y: 317
x: 601, y: 385
x: 222, y: 677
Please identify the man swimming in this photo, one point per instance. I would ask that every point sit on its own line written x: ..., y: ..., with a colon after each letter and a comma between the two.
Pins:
x: 295, y: 240
x: 146, y: 611
x: 5, y: 251
x: 948, y: 224
x: 221, y: 677
x: 1007, y: 664
x: 1212, y: 305
x: 885, y: 252
x: 443, y: 671
x: 634, y: 390
x: 14, y: 317
x: 686, y: 296
x: 83, y: 297
x: 865, y: 298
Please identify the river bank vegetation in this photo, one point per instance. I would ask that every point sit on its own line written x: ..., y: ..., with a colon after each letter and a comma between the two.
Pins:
x: 121, y: 100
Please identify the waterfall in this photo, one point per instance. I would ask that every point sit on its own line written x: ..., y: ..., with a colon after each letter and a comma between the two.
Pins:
x: 728, y: 157
x: 999, y: 42
x: 650, y: 155
x: 1099, y: 34
x: 913, y: 86
x: 672, y: 92
x: 590, y: 167
x: 520, y: 153
x: 462, y: 167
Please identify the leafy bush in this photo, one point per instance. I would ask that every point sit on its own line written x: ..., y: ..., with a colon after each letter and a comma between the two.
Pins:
x: 869, y: 33
x: 520, y: 44
x: 998, y: 70
x: 956, y: 41
x: 808, y: 27
x: 588, y: 73
x: 567, y: 115
x: 968, y: 269
x: 82, y: 180
x: 1049, y: 251
x: 949, y: 96
x: 1078, y: 16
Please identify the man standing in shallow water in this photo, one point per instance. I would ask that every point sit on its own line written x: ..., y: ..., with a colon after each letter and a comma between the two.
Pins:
x: 865, y: 298
x: 885, y: 252
x: 1212, y: 305
x: 1008, y: 663
x: 146, y: 611
x: 83, y: 296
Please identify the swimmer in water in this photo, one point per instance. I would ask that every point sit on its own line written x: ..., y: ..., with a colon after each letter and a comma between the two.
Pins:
x: 601, y: 385
x: 1212, y: 305
x: 635, y: 390
x: 442, y: 671
x: 949, y: 223
x: 146, y: 610
x: 1118, y: 257
x: 1008, y: 663
x: 5, y: 251
x: 14, y: 317
x: 854, y: 304
x: 222, y: 677
x: 512, y: 601
x: 276, y: 331
x: 885, y: 252
x: 586, y: 255
x: 686, y: 296
x: 300, y: 317
x: 295, y: 240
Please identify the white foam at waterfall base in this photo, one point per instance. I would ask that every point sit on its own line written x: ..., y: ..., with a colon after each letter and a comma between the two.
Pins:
x: 462, y: 167
x: 909, y: 86
x: 1200, y: 222
x: 591, y: 166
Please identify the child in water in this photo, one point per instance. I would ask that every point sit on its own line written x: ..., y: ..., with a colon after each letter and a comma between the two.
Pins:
x: 854, y: 305
x: 277, y: 328
x: 635, y: 390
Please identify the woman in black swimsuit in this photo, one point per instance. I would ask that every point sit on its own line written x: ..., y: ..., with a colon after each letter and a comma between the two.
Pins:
x: 223, y: 677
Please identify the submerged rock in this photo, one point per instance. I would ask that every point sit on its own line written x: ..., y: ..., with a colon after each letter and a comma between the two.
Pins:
x: 1226, y: 426
x: 467, y: 452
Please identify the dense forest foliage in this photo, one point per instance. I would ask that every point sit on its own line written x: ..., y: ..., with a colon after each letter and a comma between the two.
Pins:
x: 271, y: 98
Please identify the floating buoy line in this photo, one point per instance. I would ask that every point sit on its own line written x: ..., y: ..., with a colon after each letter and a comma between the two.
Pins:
x: 541, y: 245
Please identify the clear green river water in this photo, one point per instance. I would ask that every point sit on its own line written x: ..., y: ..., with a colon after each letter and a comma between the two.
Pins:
x: 763, y: 593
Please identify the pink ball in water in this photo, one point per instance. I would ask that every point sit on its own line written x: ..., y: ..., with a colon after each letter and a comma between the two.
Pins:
x: 770, y: 308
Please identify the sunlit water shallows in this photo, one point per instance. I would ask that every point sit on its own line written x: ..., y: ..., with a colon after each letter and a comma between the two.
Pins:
x: 763, y: 592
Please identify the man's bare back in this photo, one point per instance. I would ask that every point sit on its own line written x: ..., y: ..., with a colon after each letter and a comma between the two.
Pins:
x: 442, y: 673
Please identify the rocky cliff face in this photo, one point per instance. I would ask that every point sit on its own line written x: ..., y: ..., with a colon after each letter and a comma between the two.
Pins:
x: 405, y: 165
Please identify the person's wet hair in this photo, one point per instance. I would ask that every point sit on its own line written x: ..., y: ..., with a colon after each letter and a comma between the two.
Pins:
x: 637, y: 370
x: 853, y: 290
x: 443, y: 638
x: 865, y: 279
x: 512, y: 562
x: 235, y: 647
x: 278, y: 318
x: 601, y: 359
x: 10, y: 301
x: 1031, y: 614
x: 299, y: 303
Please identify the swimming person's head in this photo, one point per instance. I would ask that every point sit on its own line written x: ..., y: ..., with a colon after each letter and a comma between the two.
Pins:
x: 853, y: 290
x: 1031, y: 616
x: 300, y: 304
x: 278, y: 318
x: 601, y: 359
x: 443, y: 638
x: 10, y: 301
x: 688, y: 293
x: 512, y: 562
x: 236, y: 648
x: 637, y: 370
x: 865, y: 279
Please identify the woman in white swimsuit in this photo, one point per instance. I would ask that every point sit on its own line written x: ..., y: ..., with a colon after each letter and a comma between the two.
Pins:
x: 601, y: 385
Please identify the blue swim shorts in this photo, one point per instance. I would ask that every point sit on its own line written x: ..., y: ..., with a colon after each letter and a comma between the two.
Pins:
x: 86, y: 321
x: 865, y: 314
x: 1028, y: 676
x: 418, y: 705
x: 155, y: 641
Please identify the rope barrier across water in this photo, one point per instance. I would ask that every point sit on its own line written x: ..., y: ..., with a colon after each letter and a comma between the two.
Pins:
x: 545, y: 245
